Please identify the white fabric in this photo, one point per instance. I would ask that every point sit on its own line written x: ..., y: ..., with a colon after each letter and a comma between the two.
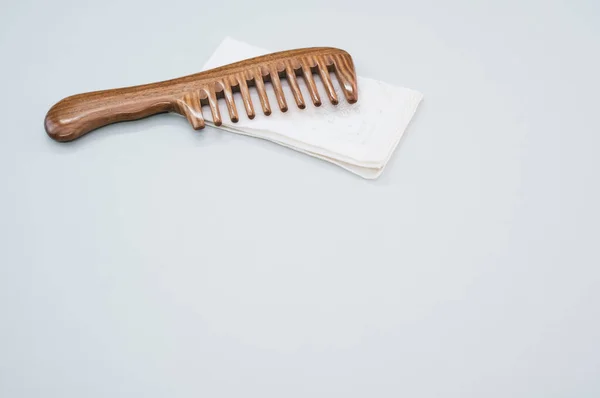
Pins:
x: 359, y: 137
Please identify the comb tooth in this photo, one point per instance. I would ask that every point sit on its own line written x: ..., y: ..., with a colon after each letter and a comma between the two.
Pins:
x: 345, y: 75
x: 241, y: 78
x: 233, y: 115
x: 262, y: 93
x: 310, y: 82
x: 214, y: 106
x: 278, y: 90
x: 322, y: 64
x: 191, y: 109
x: 291, y: 78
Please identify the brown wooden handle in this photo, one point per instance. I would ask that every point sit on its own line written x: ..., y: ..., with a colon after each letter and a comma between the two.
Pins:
x: 79, y: 114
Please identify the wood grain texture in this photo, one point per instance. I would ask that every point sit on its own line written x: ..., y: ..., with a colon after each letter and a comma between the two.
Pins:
x: 79, y: 114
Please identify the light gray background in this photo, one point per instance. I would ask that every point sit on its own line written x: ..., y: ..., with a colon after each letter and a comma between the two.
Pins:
x: 150, y: 260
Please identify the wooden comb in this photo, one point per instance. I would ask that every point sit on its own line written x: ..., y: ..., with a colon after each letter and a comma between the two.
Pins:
x: 79, y: 114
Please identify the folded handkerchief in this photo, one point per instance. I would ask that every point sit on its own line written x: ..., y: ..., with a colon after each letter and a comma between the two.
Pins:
x: 359, y: 137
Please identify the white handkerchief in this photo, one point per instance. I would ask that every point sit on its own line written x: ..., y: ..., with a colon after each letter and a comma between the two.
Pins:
x: 359, y: 137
